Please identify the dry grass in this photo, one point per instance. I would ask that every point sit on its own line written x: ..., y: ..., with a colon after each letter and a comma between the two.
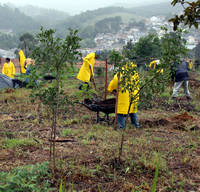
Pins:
x: 89, y: 159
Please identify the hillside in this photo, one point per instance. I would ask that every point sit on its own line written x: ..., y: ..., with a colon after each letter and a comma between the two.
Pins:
x: 46, y: 17
x: 126, y: 17
x: 155, y: 9
x: 16, y: 21
x: 32, y: 17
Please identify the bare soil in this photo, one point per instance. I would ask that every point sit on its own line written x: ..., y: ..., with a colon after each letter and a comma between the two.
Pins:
x: 88, y: 155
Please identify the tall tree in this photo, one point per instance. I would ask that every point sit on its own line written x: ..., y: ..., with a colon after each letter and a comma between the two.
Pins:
x: 57, y: 56
x: 28, y: 43
x: 149, y: 47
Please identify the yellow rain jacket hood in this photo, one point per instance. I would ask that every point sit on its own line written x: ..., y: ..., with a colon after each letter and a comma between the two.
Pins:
x: 124, y: 98
x: 154, y: 63
x: 22, y: 60
x: 85, y: 72
x: 9, y: 69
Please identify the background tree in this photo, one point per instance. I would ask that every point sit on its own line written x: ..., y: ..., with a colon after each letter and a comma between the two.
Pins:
x: 108, y: 25
x: 28, y: 43
x: 87, y: 32
x: 105, y: 54
x: 57, y: 56
x: 153, y: 83
x: 190, y: 16
x: 88, y: 43
x: 149, y: 47
x: 115, y: 58
x: 129, y: 50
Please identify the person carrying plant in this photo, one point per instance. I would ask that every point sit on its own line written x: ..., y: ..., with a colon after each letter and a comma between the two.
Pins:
x: 124, y: 100
x: 8, y: 68
x: 180, y: 76
x: 86, y: 71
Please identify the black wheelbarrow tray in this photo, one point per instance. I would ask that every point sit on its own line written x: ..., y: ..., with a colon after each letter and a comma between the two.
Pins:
x: 107, y: 107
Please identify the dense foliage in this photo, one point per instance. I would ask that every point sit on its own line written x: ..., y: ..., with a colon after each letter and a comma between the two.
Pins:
x: 190, y: 16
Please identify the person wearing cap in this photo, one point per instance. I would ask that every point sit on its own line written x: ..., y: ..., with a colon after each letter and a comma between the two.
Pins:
x: 154, y: 64
x: 8, y: 68
x: 86, y: 70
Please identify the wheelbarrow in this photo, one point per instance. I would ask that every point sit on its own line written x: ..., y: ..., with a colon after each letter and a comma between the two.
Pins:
x: 107, y: 107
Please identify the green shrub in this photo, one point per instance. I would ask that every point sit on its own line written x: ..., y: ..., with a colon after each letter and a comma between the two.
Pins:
x: 28, y: 178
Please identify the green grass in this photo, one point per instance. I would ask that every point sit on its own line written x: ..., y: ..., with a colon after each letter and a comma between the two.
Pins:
x: 66, y: 132
x: 13, y: 143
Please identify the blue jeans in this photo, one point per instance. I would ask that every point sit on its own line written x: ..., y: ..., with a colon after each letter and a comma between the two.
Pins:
x: 121, y: 118
x: 28, y: 72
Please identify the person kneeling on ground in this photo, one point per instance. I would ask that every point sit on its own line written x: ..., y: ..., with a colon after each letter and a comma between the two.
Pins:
x: 124, y: 102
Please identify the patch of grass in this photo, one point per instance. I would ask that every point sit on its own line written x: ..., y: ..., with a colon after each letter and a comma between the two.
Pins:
x: 165, y: 95
x: 12, y: 143
x: 67, y: 132
x: 85, y: 117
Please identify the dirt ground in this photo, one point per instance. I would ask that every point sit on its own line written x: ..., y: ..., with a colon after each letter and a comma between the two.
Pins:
x: 88, y: 152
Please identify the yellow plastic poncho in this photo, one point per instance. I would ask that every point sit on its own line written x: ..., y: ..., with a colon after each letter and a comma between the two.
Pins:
x: 85, y: 72
x: 22, y: 60
x: 191, y: 65
x: 123, y: 98
x: 9, y: 69
x: 154, y: 63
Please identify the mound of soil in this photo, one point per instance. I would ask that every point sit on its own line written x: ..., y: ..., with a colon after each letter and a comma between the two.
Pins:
x: 183, y: 117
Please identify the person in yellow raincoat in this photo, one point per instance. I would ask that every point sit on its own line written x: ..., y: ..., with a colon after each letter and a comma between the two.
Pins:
x: 86, y: 70
x: 154, y: 64
x: 190, y: 65
x: 124, y: 101
x: 8, y: 68
x: 22, y: 59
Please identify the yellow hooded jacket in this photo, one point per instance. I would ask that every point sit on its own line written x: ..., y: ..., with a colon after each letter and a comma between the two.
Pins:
x: 123, y: 98
x: 153, y: 64
x: 191, y: 65
x: 22, y: 60
x: 9, y: 69
x: 85, y: 72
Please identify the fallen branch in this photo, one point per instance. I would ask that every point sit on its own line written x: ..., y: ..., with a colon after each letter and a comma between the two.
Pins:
x: 63, y: 140
x: 20, y: 119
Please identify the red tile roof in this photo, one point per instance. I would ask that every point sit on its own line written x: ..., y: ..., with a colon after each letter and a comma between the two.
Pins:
x: 78, y: 64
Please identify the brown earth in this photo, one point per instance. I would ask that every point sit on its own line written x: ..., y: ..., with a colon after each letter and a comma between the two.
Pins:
x: 87, y: 155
